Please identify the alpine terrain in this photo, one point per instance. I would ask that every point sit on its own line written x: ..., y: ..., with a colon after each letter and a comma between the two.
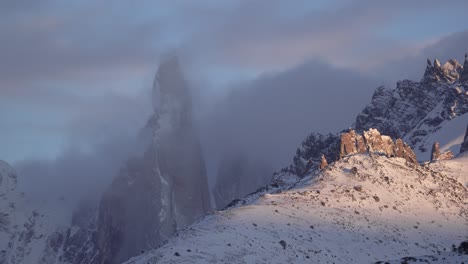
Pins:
x: 389, y: 188
x: 359, y: 196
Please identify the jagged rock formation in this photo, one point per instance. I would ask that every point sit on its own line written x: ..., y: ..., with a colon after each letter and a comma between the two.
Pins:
x: 436, y: 155
x: 323, y: 163
x: 336, y: 147
x: 415, y: 110
x: 435, y: 152
x: 449, y: 72
x: 464, y: 145
x: 162, y: 191
x: 373, y: 141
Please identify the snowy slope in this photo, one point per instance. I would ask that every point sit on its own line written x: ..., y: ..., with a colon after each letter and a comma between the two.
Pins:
x: 27, y: 235
x: 381, y: 210
x: 449, y: 134
x: 456, y: 168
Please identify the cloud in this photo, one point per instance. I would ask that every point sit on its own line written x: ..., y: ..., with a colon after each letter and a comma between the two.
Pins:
x: 54, y: 42
x: 451, y: 46
x: 75, y: 176
x: 74, y: 76
x: 267, y: 118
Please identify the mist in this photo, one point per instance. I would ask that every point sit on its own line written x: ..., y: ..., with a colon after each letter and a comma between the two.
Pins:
x: 73, y: 100
x: 262, y: 121
x: 266, y: 119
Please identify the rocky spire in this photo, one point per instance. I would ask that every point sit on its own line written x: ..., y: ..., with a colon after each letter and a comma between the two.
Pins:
x: 323, y: 163
x: 435, y: 152
x: 449, y: 72
x: 163, y: 190
x: 436, y: 155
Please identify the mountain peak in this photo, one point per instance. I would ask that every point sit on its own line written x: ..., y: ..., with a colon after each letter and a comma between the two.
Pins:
x: 170, y: 87
x: 450, y: 71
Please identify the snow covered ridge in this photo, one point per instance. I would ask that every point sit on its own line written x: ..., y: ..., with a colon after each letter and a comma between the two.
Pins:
x: 362, y: 208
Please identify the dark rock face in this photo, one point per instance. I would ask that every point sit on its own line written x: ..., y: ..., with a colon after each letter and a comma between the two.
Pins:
x: 402, y: 150
x: 435, y: 152
x: 165, y: 189
x: 414, y: 110
x: 80, y: 240
x: 464, y: 145
x: 312, y: 149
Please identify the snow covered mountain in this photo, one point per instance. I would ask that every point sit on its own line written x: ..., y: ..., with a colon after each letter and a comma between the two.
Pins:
x: 351, y: 197
x: 373, y: 203
x: 363, y: 208
x: 420, y: 112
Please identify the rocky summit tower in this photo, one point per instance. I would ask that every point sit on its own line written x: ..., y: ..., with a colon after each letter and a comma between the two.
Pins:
x: 165, y: 189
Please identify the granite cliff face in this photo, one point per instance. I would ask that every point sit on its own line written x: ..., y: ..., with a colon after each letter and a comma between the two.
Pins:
x: 165, y: 189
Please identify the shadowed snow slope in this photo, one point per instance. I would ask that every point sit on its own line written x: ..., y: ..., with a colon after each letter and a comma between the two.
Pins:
x: 361, y: 209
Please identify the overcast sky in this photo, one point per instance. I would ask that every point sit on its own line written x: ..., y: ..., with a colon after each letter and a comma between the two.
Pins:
x: 78, y: 74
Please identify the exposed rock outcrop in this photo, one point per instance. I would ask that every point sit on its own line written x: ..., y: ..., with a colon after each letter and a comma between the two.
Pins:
x: 447, y: 155
x: 435, y: 152
x: 436, y: 155
x: 323, y: 163
x: 165, y: 189
x: 449, y: 72
x: 375, y: 142
x: 334, y: 147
